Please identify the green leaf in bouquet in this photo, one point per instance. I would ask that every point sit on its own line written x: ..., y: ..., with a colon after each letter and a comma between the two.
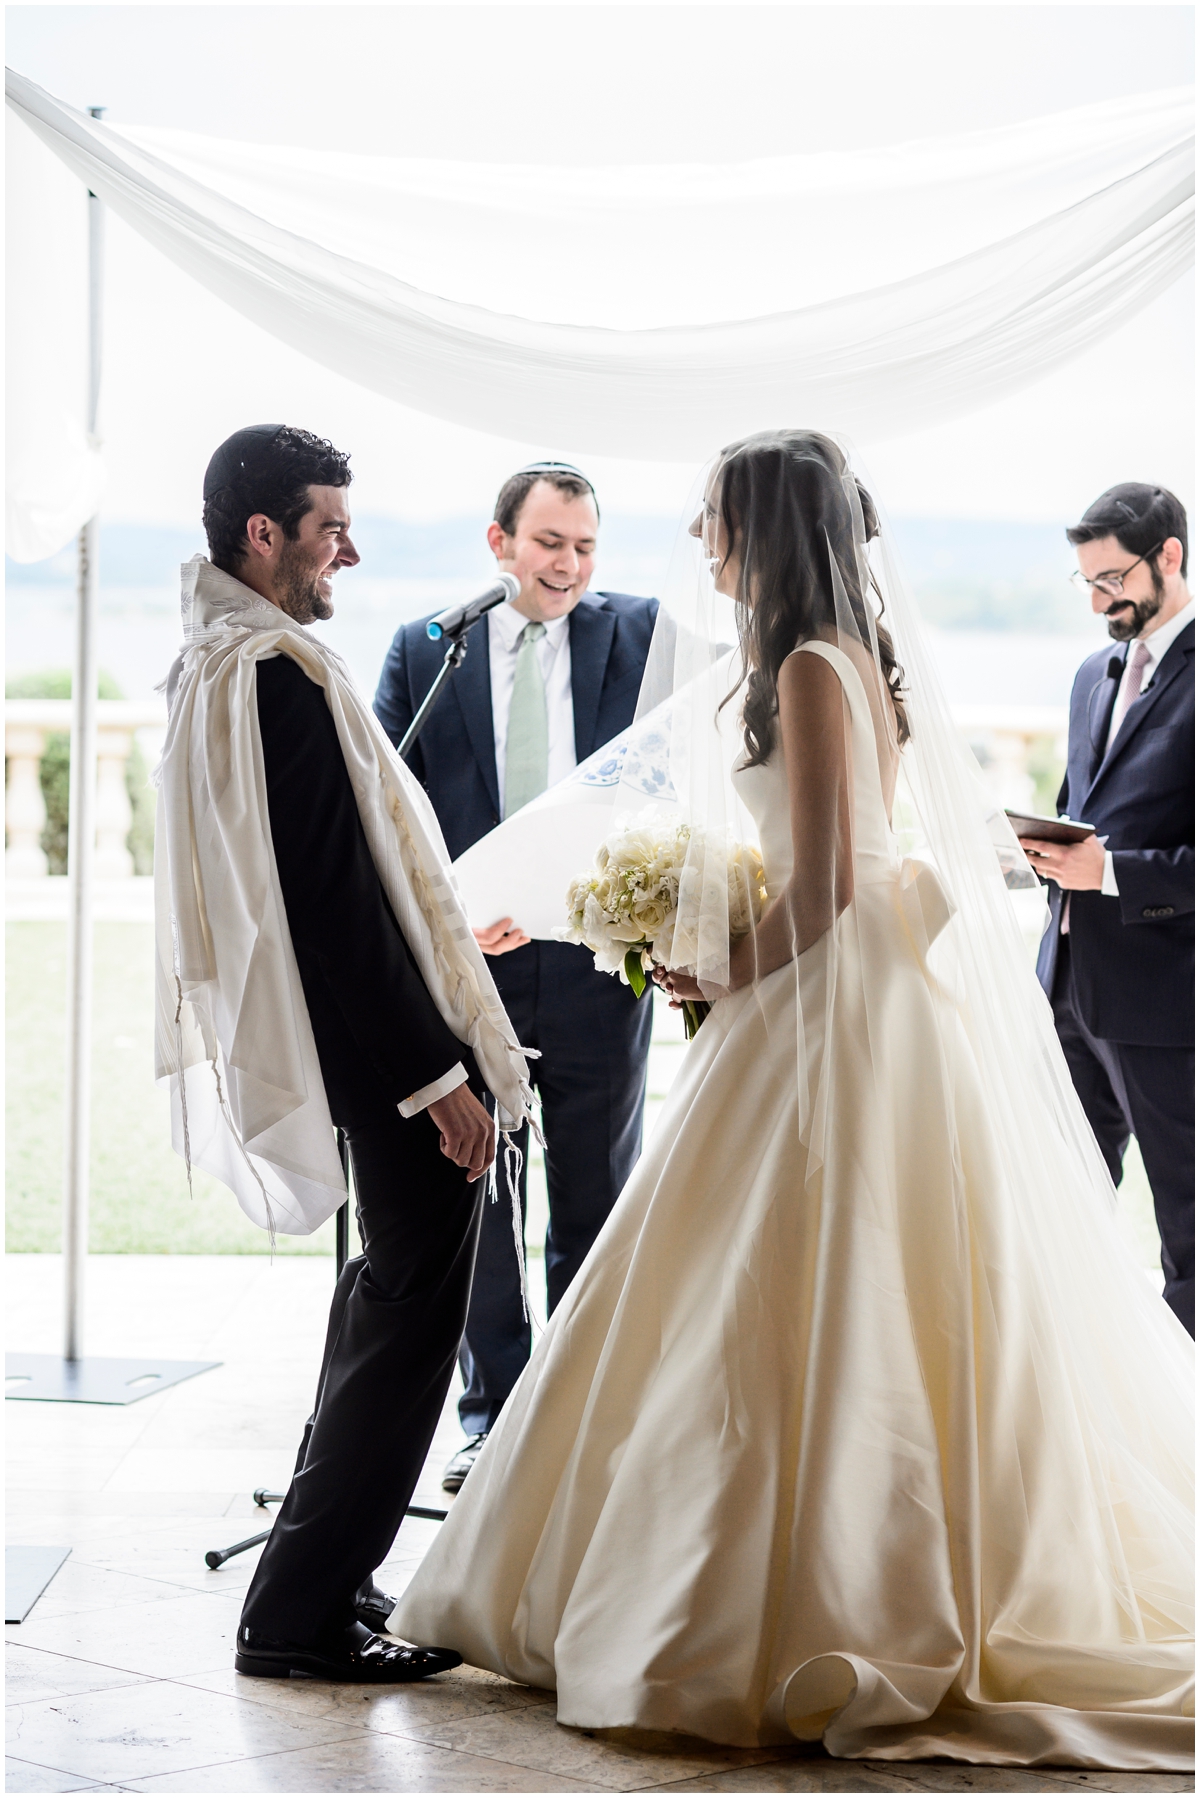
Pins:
x: 694, y: 1013
x: 635, y: 974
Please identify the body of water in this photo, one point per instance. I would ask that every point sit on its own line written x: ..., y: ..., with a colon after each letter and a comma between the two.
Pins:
x: 139, y: 636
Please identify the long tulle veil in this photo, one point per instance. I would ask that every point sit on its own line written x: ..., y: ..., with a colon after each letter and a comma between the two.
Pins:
x: 1055, y: 1248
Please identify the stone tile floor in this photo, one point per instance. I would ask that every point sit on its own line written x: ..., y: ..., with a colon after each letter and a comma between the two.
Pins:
x: 121, y: 1678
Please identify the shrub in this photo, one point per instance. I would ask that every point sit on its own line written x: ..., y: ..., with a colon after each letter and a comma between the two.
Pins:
x: 55, y: 773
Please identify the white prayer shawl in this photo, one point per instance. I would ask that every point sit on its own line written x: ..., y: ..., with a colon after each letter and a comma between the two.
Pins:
x: 232, y: 1031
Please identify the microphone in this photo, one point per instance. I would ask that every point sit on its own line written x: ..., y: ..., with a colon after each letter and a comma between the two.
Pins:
x: 459, y: 619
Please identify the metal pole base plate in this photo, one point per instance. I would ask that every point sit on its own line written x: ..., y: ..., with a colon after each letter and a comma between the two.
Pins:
x: 96, y: 1380
x: 27, y: 1573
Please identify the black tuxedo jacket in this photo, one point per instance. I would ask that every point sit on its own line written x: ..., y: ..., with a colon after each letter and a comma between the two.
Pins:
x: 1133, y: 958
x: 379, y: 1035
x: 454, y: 758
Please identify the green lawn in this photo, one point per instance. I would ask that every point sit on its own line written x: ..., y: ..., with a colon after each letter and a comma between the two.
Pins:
x: 140, y: 1202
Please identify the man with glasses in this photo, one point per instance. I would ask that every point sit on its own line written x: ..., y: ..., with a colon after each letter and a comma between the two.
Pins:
x: 1117, y: 959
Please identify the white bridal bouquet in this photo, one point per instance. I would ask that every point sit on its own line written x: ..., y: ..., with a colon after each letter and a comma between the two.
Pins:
x: 626, y: 910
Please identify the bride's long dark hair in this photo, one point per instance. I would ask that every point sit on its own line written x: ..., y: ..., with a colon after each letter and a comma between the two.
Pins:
x: 789, y: 520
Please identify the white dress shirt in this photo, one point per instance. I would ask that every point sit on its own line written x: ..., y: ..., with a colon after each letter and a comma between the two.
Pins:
x: 505, y: 625
x: 429, y: 1095
x: 1157, y: 645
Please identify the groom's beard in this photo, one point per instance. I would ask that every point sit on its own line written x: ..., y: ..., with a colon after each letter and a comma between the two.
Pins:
x: 297, y: 590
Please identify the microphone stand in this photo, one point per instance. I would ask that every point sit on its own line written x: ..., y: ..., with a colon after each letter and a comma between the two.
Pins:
x: 455, y: 652
x: 456, y: 649
x: 454, y: 625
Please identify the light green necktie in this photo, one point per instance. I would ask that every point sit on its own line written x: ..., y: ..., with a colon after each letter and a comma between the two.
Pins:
x: 527, y: 753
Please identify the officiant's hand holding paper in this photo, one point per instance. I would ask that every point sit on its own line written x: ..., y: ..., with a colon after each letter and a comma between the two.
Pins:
x: 500, y: 937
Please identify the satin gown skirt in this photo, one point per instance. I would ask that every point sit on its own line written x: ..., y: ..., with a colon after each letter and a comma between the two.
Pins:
x: 789, y: 1461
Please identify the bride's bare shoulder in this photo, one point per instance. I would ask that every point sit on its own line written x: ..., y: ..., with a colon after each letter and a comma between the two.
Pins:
x: 808, y: 685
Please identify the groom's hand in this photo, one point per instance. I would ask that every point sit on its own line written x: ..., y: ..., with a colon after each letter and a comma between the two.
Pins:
x: 468, y: 1132
x: 500, y: 937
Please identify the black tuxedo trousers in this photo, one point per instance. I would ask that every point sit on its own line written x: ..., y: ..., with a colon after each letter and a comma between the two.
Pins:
x: 394, y: 1331
x: 399, y: 1309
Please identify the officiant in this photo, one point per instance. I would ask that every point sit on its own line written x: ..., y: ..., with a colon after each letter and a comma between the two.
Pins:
x: 547, y: 680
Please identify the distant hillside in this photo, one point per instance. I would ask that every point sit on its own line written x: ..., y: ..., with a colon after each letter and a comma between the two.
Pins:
x: 966, y: 575
x: 990, y: 575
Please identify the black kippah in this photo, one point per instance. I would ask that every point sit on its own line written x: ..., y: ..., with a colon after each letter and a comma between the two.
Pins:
x: 242, y: 450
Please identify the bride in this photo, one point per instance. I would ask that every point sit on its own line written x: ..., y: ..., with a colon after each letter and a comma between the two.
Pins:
x: 860, y: 1423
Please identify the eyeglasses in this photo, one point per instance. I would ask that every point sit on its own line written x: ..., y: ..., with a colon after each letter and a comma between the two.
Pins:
x: 1112, y: 584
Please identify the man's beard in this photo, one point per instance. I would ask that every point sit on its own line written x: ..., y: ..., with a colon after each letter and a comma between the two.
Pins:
x: 297, y: 592
x: 1132, y: 622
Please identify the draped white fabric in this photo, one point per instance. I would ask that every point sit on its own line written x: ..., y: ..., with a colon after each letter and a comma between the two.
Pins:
x: 55, y: 471
x: 669, y: 308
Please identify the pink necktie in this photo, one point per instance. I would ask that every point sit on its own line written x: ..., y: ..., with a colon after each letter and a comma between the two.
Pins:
x: 1129, y: 689
x: 1127, y: 692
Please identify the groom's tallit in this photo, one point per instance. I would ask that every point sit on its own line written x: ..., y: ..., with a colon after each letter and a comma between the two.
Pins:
x: 232, y: 1031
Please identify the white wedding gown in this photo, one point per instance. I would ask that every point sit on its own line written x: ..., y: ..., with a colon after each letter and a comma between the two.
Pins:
x: 798, y: 1455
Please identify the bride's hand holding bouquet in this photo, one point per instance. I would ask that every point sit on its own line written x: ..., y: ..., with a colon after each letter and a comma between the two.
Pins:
x: 627, y: 909
x: 681, y: 989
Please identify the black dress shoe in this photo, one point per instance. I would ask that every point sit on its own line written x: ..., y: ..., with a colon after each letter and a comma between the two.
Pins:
x: 460, y: 1466
x: 374, y: 1608
x: 356, y: 1657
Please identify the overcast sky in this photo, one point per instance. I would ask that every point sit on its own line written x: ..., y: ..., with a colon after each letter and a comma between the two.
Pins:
x: 574, y: 85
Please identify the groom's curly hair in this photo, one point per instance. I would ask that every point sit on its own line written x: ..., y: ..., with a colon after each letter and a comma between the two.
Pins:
x: 269, y: 469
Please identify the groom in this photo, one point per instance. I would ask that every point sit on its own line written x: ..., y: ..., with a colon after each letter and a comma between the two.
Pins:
x: 401, y: 1085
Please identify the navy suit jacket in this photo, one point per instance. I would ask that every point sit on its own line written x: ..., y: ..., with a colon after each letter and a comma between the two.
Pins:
x: 1133, y: 958
x: 454, y: 758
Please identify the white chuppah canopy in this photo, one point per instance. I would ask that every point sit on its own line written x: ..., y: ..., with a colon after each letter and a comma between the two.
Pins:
x: 657, y: 312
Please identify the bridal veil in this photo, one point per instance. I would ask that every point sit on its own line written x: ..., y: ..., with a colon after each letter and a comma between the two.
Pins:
x: 1102, y: 1364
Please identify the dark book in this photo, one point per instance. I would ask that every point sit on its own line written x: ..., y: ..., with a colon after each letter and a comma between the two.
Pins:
x: 1049, y: 830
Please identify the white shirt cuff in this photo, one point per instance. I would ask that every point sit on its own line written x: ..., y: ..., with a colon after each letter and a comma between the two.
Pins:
x: 429, y: 1095
x: 1108, y: 886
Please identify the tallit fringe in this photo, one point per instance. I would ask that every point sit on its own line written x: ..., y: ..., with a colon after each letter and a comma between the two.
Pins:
x: 225, y: 1113
x: 513, y: 1162
x: 228, y: 1116
x: 187, y: 1141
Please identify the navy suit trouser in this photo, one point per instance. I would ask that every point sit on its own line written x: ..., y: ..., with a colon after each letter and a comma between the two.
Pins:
x: 593, y: 1037
x: 1135, y: 1089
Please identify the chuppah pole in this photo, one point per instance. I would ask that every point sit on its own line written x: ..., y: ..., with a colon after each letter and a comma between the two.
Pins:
x: 81, y: 835
x: 72, y: 1378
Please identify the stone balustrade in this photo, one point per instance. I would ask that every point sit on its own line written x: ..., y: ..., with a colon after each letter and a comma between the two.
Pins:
x: 27, y: 725
x: 1002, y: 737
